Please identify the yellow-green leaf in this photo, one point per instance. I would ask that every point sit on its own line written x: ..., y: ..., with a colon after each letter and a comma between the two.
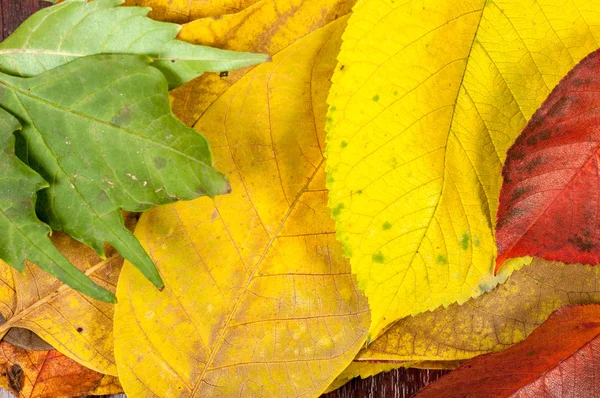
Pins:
x: 427, y: 97
x: 259, y: 300
x: 492, y: 322
x: 268, y: 26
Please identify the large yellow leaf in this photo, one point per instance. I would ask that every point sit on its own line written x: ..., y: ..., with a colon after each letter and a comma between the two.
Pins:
x: 492, y: 322
x: 76, y: 325
x: 181, y: 11
x: 259, y: 300
x: 268, y: 27
x: 427, y: 97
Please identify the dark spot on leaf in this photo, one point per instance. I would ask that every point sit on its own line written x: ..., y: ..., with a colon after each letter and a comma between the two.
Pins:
x: 544, y: 135
x: 376, y: 98
x: 441, y: 259
x: 337, y: 210
x: 343, y: 144
x: 533, y: 164
x: 386, y: 225
x: 160, y: 163
x: 519, y: 192
x: 580, y: 82
x: 531, y: 353
x: 378, y: 258
x: 79, y: 329
x: 561, y: 106
x: 172, y: 61
x: 122, y: 118
x: 102, y: 197
x: 224, y: 74
x: 16, y: 377
x: 342, y: 67
x: 581, y: 243
x: 517, y: 155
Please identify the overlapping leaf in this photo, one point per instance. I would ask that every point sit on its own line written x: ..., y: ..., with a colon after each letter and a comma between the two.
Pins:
x: 77, y: 326
x: 77, y: 28
x: 181, y: 11
x: 558, y: 359
x: 48, y: 374
x: 426, y: 99
x: 258, y: 299
x: 550, y: 200
x: 268, y: 26
x: 23, y: 236
x: 101, y: 132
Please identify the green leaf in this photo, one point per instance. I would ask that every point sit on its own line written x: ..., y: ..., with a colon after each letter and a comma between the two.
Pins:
x: 75, y: 28
x: 100, y: 130
x: 23, y: 236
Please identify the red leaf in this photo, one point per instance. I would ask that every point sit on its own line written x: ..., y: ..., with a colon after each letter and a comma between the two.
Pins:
x: 44, y: 374
x: 550, y: 199
x: 560, y: 358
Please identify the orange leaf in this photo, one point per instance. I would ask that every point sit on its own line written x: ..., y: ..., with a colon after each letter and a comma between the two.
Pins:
x: 40, y: 374
x: 558, y: 358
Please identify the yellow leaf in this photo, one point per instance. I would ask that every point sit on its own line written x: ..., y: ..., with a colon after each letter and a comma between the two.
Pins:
x: 181, y: 11
x: 74, y: 324
x: 268, y: 27
x: 492, y: 322
x: 427, y: 98
x: 259, y: 300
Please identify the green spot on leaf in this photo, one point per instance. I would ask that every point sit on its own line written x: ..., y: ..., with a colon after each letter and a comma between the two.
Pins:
x: 464, y: 241
x: 441, y: 259
x: 376, y: 98
x: 343, y: 144
x: 337, y: 210
x: 386, y: 225
x: 378, y: 258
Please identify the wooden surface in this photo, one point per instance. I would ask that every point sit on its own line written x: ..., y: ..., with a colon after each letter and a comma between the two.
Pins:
x: 401, y: 383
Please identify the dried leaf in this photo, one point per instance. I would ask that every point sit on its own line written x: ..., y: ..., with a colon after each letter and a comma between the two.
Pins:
x: 558, y: 359
x: 493, y: 322
x: 26, y: 339
x: 258, y: 299
x: 181, y: 11
x: 44, y: 374
x: 427, y: 97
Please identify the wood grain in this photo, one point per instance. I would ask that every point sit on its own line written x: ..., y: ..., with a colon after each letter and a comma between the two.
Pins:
x: 401, y: 383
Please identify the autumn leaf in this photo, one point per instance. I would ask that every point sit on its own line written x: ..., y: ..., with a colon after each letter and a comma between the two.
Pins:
x: 558, y: 357
x: 426, y: 99
x: 45, y: 374
x: 269, y: 26
x: 75, y: 28
x: 181, y: 11
x: 258, y: 298
x: 549, y: 200
x: 23, y: 236
x: 492, y: 322
x: 76, y: 325
x: 113, y: 152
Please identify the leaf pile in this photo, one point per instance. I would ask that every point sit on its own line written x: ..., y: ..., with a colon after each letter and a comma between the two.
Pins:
x: 379, y: 200
x: 93, y: 176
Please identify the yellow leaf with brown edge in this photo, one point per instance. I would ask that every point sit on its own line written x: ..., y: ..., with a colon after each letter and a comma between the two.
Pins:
x: 74, y: 324
x: 45, y: 374
x: 259, y: 300
x: 182, y: 11
x: 427, y: 98
x: 491, y: 322
x: 268, y: 26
